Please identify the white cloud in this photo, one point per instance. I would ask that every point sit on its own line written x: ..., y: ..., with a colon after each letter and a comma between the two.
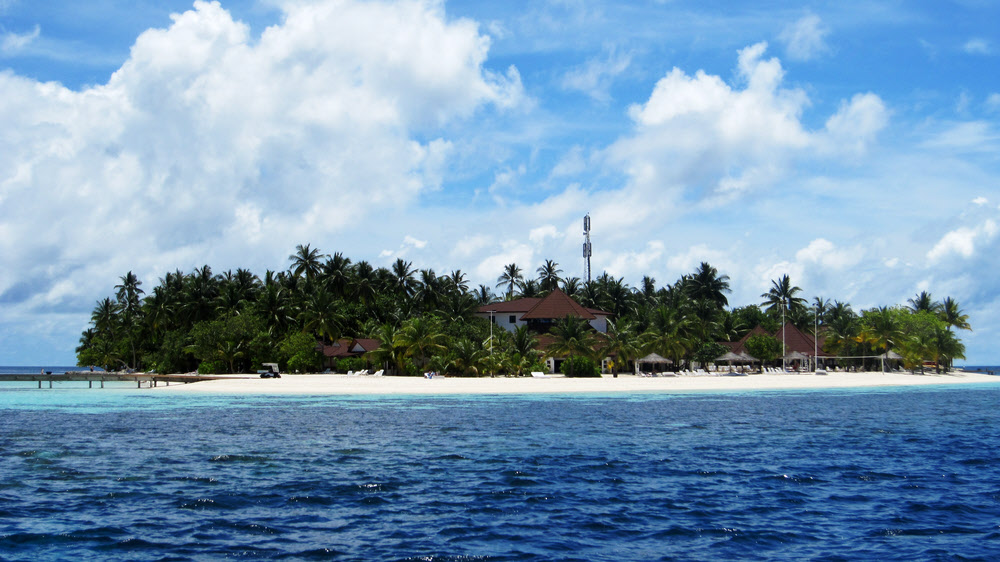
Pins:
x: 805, y: 39
x: 11, y: 42
x: 993, y: 102
x: 824, y: 253
x: 538, y: 235
x: 595, y: 76
x: 697, y: 134
x: 980, y: 201
x: 856, y: 123
x: 963, y: 241
x: 978, y: 46
x: 967, y: 136
x: 208, y: 145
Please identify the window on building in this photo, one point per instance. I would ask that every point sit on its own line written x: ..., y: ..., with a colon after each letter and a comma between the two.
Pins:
x: 513, y: 319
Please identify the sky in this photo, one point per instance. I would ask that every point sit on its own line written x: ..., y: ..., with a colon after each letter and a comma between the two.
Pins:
x: 852, y: 145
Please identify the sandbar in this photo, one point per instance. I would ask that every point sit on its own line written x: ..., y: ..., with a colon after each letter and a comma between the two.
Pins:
x: 316, y: 384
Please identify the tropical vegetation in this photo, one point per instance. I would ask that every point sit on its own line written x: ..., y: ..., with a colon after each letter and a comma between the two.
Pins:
x: 235, y: 320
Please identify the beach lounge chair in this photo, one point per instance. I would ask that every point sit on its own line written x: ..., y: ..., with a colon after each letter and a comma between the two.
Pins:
x: 378, y: 373
x: 539, y: 375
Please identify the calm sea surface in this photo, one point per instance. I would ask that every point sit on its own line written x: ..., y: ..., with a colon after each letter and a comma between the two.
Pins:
x: 908, y: 474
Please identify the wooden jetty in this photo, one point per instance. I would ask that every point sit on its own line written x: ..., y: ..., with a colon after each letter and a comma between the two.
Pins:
x: 149, y: 379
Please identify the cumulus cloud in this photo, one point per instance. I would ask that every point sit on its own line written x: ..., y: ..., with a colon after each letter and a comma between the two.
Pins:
x: 856, y: 123
x: 962, y: 241
x: 805, y: 39
x: 824, y: 253
x: 702, y: 139
x: 209, y: 143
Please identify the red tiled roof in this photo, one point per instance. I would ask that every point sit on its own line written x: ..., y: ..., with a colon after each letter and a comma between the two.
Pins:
x: 795, y: 340
x: 346, y: 347
x: 509, y: 307
x: 557, y: 305
x: 367, y: 344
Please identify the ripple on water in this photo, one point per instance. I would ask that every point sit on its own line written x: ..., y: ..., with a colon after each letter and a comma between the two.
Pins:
x: 671, y: 477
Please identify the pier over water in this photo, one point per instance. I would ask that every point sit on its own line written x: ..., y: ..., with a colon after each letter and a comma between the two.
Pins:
x: 150, y: 380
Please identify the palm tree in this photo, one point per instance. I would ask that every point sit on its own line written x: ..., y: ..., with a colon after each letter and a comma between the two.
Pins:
x: 320, y: 315
x: 484, y: 295
x: 336, y: 273
x: 953, y: 316
x: 782, y: 295
x: 127, y: 293
x: 880, y: 327
x: 105, y: 318
x: 390, y: 354
x: 403, y: 281
x: 548, y: 276
x: 822, y: 309
x: 529, y: 288
x: 573, y: 336
x: 946, y: 347
x: 458, y: 281
x: 306, y: 261
x: 668, y: 334
x: 129, y: 306
x: 421, y: 337
x: 511, y: 275
x: 707, y: 285
x: 523, y: 342
x: 467, y: 357
x: 923, y: 302
x: 622, y: 342
x: 571, y: 286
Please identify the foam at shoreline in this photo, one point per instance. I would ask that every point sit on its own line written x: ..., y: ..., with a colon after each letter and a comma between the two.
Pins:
x: 363, y: 385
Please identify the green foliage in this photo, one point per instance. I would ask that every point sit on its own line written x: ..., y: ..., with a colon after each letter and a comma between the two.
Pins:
x: 298, y: 353
x: 709, y: 351
x: 351, y: 364
x: 233, y: 321
x: 579, y: 366
x: 228, y: 340
x: 211, y: 367
x: 765, y: 348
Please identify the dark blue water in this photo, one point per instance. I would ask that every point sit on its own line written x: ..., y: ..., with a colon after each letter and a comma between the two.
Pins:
x: 833, y: 475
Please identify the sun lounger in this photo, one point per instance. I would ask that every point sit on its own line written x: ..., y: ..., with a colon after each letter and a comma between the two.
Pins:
x: 378, y: 373
x: 539, y: 375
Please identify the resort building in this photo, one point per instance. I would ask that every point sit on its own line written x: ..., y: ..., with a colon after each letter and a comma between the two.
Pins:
x: 799, y: 346
x: 540, y: 314
x: 347, y: 347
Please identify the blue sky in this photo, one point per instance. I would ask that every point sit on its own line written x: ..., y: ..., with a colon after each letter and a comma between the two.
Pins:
x: 852, y: 145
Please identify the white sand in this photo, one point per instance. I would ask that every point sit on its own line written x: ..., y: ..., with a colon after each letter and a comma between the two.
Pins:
x: 361, y: 385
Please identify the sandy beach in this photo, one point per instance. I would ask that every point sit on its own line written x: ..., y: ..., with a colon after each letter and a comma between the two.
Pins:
x: 369, y: 385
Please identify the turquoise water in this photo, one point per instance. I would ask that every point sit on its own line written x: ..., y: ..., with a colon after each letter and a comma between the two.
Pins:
x: 904, y: 474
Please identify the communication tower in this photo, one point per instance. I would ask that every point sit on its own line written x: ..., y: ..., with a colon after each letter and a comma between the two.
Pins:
x: 587, y: 250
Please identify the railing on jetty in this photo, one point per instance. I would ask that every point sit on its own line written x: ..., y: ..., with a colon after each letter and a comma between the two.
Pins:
x: 149, y: 379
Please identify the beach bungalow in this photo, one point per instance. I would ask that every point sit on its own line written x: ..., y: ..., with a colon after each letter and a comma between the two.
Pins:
x: 347, y: 347
x: 799, y: 346
x: 540, y: 314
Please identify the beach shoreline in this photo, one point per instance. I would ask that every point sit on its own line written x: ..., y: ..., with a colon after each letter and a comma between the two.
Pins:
x: 347, y: 385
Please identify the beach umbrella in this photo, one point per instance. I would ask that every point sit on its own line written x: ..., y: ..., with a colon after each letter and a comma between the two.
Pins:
x: 655, y: 358
x: 729, y: 356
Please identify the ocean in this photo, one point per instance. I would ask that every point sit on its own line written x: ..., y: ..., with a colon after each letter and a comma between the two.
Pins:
x: 887, y: 474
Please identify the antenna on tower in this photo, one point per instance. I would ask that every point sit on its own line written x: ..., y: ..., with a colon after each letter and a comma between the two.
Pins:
x: 587, y: 250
